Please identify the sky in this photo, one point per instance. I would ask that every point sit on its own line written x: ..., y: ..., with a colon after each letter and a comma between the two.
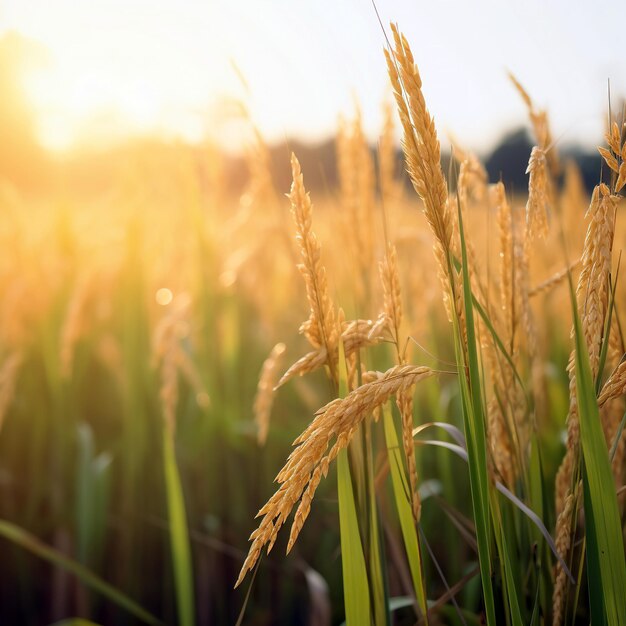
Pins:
x: 179, y: 66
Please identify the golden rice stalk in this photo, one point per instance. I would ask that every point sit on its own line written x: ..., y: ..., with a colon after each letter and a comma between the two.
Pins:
x: 190, y: 373
x: 539, y: 194
x: 265, y: 391
x: 320, y: 329
x: 392, y: 311
x: 404, y: 400
x: 358, y: 334
x: 165, y: 349
x: 573, y: 202
x: 523, y: 312
x: 8, y: 379
x: 368, y: 376
x: 473, y: 179
x: 554, y: 280
x: 611, y: 416
x: 505, y: 228
x: 613, y: 138
x: 421, y: 149
x: 616, y: 342
x: 538, y: 203
x: 366, y: 185
x: 380, y: 326
x: 355, y: 334
x: 357, y: 190
x: 392, y: 301
x: 593, y: 284
x: 308, y: 363
x: 390, y: 187
x: 522, y: 92
x: 541, y: 128
x: 499, y: 441
x: 615, y: 158
x: 592, y: 296
x: 615, y: 386
x: 311, y: 457
x: 564, y: 531
x: 609, y: 159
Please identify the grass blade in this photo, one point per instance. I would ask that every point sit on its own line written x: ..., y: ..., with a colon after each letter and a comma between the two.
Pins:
x: 179, y: 535
x: 24, y: 539
x: 605, y: 547
x: 403, y: 505
x: 355, y: 583
x: 475, y: 431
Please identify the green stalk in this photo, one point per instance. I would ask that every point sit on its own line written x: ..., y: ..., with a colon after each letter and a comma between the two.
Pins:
x: 401, y: 492
x: 475, y: 433
x: 355, y: 583
x: 606, y: 566
x: 179, y: 534
x: 377, y: 574
x: 24, y: 539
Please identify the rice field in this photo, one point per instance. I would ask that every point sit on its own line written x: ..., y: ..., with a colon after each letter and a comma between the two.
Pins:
x: 414, y: 381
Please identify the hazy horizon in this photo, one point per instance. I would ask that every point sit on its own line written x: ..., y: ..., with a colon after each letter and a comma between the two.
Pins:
x: 108, y: 69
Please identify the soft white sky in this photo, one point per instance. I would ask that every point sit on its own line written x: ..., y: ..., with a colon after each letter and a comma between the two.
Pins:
x: 166, y: 63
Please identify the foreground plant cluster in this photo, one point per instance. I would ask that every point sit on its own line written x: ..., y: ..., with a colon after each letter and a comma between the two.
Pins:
x: 458, y: 412
x: 526, y: 575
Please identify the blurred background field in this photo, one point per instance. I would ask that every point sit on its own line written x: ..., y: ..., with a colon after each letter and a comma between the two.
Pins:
x: 146, y: 272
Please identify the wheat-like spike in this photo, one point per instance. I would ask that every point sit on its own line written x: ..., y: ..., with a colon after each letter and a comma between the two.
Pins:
x: 615, y: 386
x: 357, y: 186
x: 554, y: 280
x: 392, y: 312
x: 538, y: 205
x: 616, y: 348
x: 265, y: 391
x: 473, y: 178
x: 421, y: 149
x: 522, y: 92
x: 355, y: 334
x: 505, y: 228
x: 564, y: 531
x: 499, y: 441
x: 541, y: 127
x: 366, y: 185
x: 191, y: 375
x: 320, y: 329
x: 310, y: 362
x: 404, y: 401
x: 574, y: 202
x: 358, y: 334
x: 593, y: 284
x: 337, y: 421
x: 392, y: 300
x: 592, y: 295
x: 611, y: 416
x: 349, y: 193
x: 390, y: 188
x: 421, y: 144
x: 166, y: 356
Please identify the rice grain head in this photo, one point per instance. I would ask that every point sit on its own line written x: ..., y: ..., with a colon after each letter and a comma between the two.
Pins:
x: 310, y: 460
